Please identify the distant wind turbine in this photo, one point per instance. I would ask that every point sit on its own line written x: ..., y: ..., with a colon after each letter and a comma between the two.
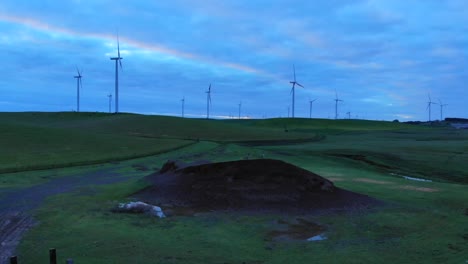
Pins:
x: 118, y: 61
x: 78, y: 86
x: 336, y: 104
x: 208, y: 102
x: 288, y: 111
x: 442, y: 109
x: 240, y: 106
x: 294, y: 83
x: 429, y: 106
x: 349, y: 114
x: 110, y: 102
x: 183, y: 105
x: 310, y: 107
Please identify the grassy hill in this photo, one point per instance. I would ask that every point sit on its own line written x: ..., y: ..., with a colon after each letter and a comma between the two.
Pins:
x: 422, y: 222
x: 33, y: 140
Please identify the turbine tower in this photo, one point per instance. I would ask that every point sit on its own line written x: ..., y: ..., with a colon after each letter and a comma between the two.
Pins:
x: 78, y: 86
x: 118, y: 61
x: 310, y: 107
x: 240, y: 106
x: 110, y: 102
x: 336, y: 104
x: 183, y: 105
x: 429, y: 106
x: 349, y: 114
x: 441, y: 109
x: 208, y: 102
x: 294, y: 83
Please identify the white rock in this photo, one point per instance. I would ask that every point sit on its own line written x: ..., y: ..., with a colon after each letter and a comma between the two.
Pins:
x: 142, y: 207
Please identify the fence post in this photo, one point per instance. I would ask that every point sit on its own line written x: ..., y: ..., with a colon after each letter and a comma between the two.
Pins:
x: 69, y: 261
x: 52, y: 256
x: 14, y: 260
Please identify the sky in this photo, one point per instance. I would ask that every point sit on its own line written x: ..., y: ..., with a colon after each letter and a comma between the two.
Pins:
x: 382, y: 58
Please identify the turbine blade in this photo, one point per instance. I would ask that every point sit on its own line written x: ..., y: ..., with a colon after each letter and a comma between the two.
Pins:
x: 300, y: 85
x: 120, y: 62
x: 294, y: 70
x: 118, y: 46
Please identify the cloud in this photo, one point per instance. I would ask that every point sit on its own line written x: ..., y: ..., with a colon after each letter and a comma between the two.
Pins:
x: 245, y: 48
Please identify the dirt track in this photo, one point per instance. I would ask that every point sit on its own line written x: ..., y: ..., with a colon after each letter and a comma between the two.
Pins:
x: 17, y: 206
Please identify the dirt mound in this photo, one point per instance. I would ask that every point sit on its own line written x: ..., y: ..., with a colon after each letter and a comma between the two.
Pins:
x: 261, y: 184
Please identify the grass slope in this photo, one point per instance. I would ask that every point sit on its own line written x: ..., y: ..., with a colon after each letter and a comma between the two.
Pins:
x: 416, y: 226
x: 424, y: 222
x: 47, y: 140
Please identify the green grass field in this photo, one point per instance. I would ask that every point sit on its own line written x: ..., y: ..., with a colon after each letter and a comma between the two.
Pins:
x: 422, y: 222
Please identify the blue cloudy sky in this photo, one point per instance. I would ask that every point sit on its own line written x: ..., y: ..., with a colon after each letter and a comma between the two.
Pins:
x: 383, y: 57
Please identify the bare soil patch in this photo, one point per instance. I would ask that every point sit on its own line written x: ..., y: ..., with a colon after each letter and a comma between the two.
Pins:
x: 299, y: 229
x: 371, y: 181
x: 259, y: 185
x: 420, y: 189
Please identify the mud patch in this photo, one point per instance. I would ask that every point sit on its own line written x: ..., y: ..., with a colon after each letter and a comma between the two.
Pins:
x: 371, y: 181
x: 12, y: 226
x: 140, y: 167
x: 419, y: 189
x: 297, y: 230
x: 335, y: 179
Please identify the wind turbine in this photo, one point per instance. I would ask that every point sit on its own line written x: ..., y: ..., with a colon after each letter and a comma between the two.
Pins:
x: 240, y: 106
x: 441, y: 109
x: 310, y: 107
x: 294, y: 83
x: 429, y: 106
x: 336, y: 104
x: 183, y: 105
x: 208, y: 102
x: 349, y: 114
x: 118, y: 61
x: 110, y: 102
x: 78, y: 86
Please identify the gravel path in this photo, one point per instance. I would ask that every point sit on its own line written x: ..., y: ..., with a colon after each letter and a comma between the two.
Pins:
x: 17, y: 205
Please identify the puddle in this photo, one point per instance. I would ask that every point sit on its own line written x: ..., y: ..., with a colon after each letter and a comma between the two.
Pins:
x: 416, y: 179
x: 296, y: 230
x: 317, y: 238
x: 411, y: 178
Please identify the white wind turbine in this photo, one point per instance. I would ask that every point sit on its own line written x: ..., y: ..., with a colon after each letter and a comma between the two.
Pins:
x: 293, y: 91
x: 429, y: 106
x: 310, y: 107
x: 118, y: 61
x: 78, y: 86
